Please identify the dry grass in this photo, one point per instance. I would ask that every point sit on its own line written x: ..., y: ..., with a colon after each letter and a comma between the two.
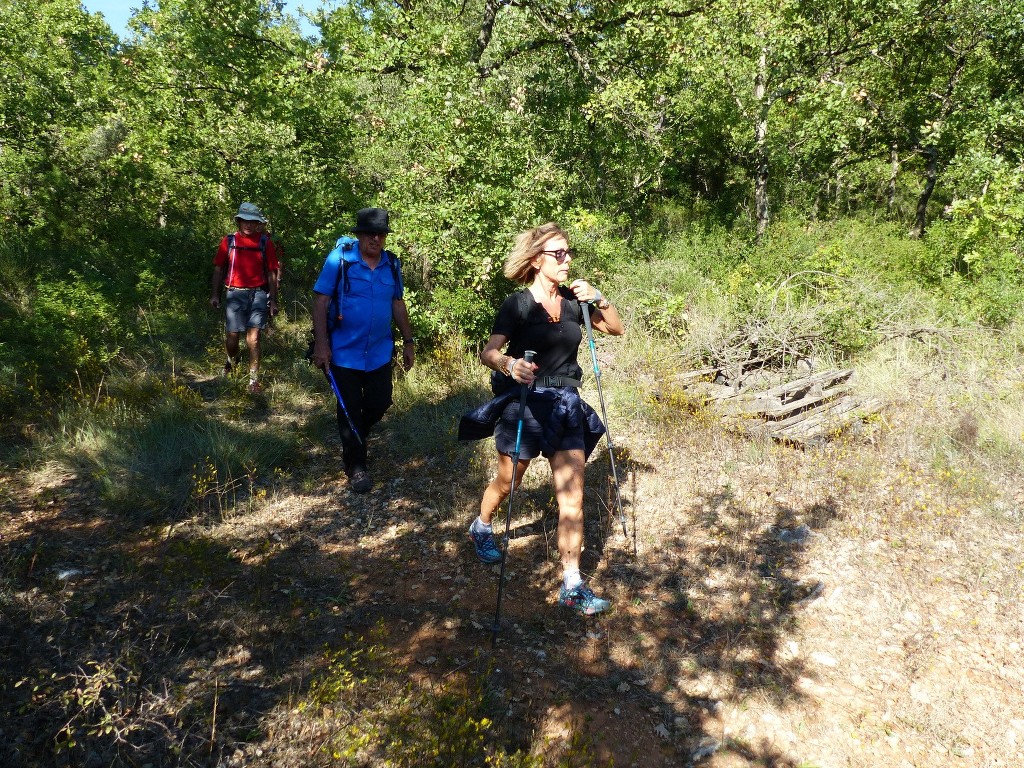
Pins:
x: 309, y: 626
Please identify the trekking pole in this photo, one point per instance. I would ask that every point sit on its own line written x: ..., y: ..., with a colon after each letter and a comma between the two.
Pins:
x: 528, y: 357
x: 341, y: 403
x: 604, y: 415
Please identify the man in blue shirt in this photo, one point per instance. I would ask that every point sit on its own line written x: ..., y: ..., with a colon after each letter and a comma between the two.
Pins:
x: 357, y: 297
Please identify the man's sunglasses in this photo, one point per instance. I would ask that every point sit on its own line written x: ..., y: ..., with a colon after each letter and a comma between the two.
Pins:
x: 562, y: 254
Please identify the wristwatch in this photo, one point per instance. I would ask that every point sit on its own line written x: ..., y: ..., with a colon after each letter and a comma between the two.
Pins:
x: 409, y: 341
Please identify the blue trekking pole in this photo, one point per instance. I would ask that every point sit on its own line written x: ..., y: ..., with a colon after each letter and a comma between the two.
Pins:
x: 341, y: 403
x: 604, y: 415
x: 528, y: 357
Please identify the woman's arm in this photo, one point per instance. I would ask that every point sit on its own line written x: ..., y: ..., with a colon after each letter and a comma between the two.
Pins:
x: 491, y: 355
x: 607, y: 319
x: 604, y: 317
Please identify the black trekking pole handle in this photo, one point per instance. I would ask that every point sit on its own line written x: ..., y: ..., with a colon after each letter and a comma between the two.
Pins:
x: 524, y: 391
x: 604, y: 415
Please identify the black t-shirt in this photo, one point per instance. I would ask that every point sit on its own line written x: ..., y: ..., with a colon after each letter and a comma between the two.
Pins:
x: 556, y: 344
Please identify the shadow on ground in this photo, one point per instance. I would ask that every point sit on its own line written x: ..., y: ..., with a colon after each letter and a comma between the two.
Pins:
x: 131, y: 641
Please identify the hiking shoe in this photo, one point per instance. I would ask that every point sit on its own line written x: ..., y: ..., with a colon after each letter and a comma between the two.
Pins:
x: 227, y: 368
x: 255, y: 387
x: 582, y: 600
x: 483, y: 542
x: 360, y: 481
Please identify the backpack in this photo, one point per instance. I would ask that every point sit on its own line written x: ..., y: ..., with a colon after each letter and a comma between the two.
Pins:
x: 264, y: 239
x: 347, y: 244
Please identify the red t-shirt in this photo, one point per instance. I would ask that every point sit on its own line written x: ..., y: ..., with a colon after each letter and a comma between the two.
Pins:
x: 243, y: 268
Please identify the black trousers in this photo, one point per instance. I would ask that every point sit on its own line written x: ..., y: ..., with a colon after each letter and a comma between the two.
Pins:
x: 367, y: 397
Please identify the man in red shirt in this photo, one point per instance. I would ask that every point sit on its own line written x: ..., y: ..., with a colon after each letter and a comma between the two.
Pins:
x: 247, y: 265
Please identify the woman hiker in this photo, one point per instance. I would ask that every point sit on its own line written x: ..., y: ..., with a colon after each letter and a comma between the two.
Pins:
x: 546, y: 317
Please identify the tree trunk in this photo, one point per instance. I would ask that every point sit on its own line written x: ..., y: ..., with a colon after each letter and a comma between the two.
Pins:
x: 486, y: 29
x: 932, y: 168
x: 894, y: 165
x: 760, y: 146
x: 931, y: 173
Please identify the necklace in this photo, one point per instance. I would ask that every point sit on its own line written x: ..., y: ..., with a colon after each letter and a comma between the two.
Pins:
x: 553, y: 307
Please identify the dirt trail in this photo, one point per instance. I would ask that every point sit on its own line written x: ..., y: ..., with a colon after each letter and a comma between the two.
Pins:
x: 782, y: 608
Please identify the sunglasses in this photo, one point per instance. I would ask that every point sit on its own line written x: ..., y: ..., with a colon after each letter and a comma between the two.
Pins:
x: 562, y: 254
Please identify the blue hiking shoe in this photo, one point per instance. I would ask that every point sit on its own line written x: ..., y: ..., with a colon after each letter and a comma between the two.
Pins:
x: 486, y: 549
x: 582, y: 600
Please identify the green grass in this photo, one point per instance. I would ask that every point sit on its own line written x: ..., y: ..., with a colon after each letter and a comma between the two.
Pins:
x: 153, y: 449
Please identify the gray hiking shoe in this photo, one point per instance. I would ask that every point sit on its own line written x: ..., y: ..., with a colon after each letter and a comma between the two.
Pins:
x: 582, y: 599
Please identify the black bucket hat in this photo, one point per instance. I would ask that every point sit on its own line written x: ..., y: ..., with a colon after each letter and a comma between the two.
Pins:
x: 371, y: 221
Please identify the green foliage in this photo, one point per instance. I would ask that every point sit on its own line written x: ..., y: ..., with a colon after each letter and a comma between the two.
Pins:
x: 826, y: 289
x: 665, y: 317
x: 58, y: 331
x: 99, y: 700
x: 74, y: 323
x: 123, y: 161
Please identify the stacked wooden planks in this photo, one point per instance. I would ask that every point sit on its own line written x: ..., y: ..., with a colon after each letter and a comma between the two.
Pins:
x: 805, y: 410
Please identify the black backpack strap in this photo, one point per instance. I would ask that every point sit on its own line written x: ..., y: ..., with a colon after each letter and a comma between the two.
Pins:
x: 569, y: 296
x: 396, y: 268
x: 263, y: 253
x: 524, y: 305
x: 345, y: 266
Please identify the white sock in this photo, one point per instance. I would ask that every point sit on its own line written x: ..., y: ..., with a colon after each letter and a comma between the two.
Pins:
x: 481, y: 527
x: 253, y: 375
x: 571, y: 579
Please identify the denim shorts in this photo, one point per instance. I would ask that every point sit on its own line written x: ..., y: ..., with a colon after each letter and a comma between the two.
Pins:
x: 245, y: 308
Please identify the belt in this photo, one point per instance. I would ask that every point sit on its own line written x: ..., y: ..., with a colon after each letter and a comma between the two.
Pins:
x: 557, y: 381
x: 239, y: 288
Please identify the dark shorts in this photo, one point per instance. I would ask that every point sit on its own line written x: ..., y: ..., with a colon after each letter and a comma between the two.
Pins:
x: 556, y: 419
x: 245, y: 308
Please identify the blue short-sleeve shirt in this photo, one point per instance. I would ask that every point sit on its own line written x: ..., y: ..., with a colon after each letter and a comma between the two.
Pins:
x: 362, y: 338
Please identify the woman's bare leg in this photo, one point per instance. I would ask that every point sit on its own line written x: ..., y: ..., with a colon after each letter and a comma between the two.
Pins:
x: 498, y: 489
x: 567, y: 469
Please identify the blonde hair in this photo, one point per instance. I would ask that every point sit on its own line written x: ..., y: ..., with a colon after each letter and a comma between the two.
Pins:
x: 528, y: 244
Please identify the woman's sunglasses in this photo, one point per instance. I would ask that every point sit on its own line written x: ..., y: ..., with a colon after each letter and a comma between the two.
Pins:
x: 562, y: 254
